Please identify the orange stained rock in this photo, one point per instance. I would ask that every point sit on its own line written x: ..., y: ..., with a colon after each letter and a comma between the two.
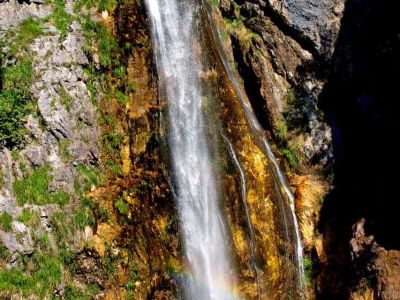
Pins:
x: 308, y: 194
x: 106, y: 234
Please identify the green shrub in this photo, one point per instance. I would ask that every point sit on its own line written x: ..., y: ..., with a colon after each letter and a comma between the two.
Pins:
x: 6, y: 221
x: 34, y: 189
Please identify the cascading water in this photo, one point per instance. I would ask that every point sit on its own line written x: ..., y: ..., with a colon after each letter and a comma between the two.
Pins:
x: 179, y: 65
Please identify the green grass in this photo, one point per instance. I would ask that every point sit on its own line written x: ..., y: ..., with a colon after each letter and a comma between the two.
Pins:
x: 281, y: 130
x: 87, y: 177
x: 14, y: 102
x: 61, y: 18
x: 72, y: 292
x: 22, y: 37
x: 113, y: 167
x: 29, y: 218
x: 104, y: 41
x: 34, y: 189
x: 291, y: 157
x: 308, y: 266
x: 100, y: 5
x: 4, y: 253
x: 38, y: 278
x: 63, y: 152
x: 245, y: 35
x: 119, y: 72
x: 122, y: 207
x: 6, y: 221
x: 66, y: 99
x: 121, y: 98
x: 19, y: 76
x: 111, y: 142
x: 214, y: 3
x: 2, y: 179
x: 103, y: 214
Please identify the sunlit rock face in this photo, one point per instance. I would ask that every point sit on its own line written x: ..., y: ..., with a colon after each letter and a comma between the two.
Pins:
x: 320, y: 78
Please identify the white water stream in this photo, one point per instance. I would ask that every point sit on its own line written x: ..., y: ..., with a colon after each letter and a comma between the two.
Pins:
x: 177, y: 46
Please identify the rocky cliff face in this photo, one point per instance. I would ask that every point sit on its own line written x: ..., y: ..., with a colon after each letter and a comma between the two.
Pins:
x: 85, y: 206
x: 314, y: 71
x: 86, y: 209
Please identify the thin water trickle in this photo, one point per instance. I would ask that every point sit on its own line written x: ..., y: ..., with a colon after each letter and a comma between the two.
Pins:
x: 204, y: 234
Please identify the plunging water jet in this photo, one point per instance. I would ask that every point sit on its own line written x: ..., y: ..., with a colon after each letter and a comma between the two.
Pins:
x: 175, y: 37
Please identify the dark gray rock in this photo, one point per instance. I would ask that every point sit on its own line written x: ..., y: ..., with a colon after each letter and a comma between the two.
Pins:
x: 317, y: 21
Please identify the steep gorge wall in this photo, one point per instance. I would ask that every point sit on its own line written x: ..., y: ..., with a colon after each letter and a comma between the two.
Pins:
x: 84, y: 191
x: 319, y: 75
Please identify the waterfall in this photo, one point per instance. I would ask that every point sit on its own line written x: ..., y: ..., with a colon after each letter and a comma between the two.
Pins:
x: 176, y: 42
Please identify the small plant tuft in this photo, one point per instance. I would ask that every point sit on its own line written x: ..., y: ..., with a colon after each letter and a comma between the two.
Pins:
x: 6, y: 221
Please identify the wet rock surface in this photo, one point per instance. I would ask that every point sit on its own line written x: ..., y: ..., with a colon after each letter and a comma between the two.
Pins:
x: 315, y: 72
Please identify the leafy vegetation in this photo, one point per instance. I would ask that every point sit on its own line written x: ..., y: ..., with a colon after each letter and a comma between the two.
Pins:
x: 130, y: 285
x: 14, y: 102
x: 34, y: 189
x: 6, y: 221
x: 113, y: 167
